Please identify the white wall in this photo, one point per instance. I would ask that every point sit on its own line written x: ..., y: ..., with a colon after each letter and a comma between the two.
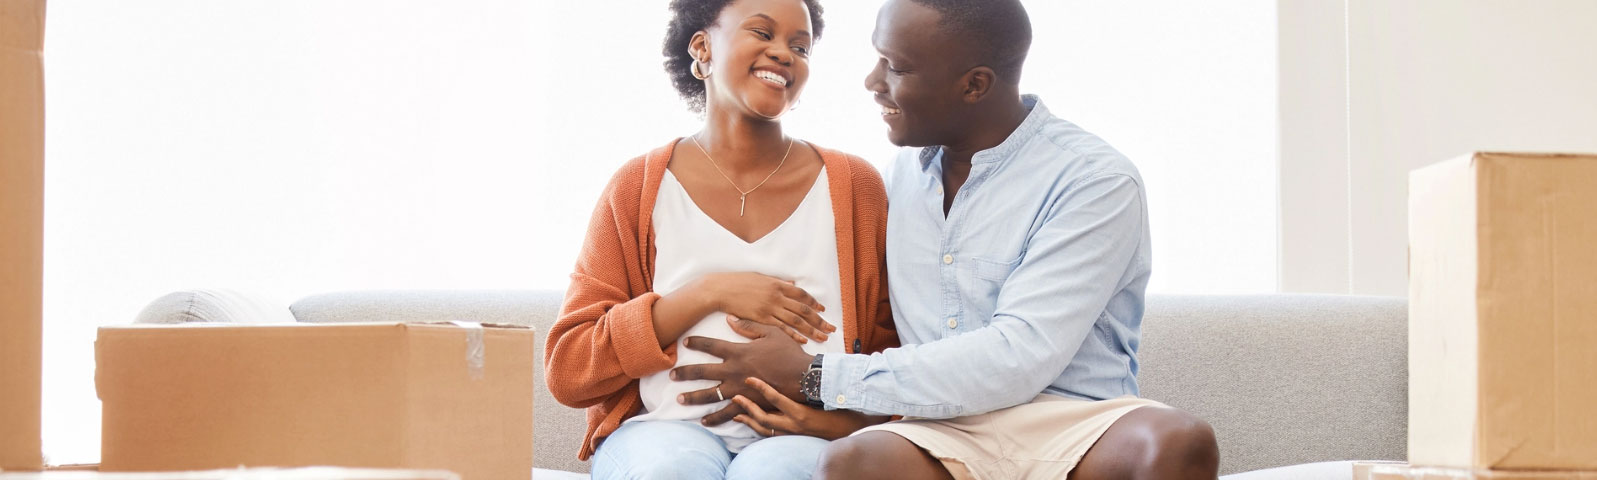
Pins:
x: 1313, y: 171
x: 1427, y: 80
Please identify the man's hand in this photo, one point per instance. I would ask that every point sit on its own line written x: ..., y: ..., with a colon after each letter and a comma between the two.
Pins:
x: 771, y: 356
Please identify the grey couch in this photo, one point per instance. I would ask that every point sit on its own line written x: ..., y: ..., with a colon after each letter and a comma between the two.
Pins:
x: 1303, y: 382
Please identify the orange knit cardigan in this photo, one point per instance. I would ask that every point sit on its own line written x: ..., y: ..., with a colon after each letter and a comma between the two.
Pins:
x: 604, y: 340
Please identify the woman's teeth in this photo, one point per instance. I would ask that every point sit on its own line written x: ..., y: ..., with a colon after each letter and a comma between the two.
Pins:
x: 890, y: 111
x: 771, y: 77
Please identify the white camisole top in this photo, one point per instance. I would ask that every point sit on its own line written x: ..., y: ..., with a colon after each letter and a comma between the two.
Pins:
x: 690, y: 244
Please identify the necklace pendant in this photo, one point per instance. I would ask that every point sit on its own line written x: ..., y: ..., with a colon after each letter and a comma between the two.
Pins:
x: 742, y: 200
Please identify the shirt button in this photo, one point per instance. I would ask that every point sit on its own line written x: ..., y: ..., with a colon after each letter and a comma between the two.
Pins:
x: 840, y: 399
x: 948, y: 259
x: 939, y: 189
x: 953, y: 322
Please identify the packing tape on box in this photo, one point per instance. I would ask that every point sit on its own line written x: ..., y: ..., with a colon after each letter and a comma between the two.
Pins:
x: 474, y: 347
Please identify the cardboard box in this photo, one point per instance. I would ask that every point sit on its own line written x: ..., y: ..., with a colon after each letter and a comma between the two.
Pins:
x: 319, y: 473
x: 380, y: 395
x: 1503, y: 312
x: 1402, y: 471
x: 21, y: 230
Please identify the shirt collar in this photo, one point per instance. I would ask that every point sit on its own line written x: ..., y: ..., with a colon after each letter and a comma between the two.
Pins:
x: 1020, y: 137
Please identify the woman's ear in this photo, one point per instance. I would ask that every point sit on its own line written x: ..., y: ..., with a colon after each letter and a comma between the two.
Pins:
x: 699, y: 46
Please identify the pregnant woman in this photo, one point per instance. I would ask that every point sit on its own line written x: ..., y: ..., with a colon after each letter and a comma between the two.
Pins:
x: 738, y: 220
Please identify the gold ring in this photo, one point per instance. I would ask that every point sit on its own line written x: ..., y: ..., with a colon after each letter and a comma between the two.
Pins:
x: 718, y: 395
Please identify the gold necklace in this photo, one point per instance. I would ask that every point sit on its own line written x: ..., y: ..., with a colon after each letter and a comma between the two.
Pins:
x: 743, y: 196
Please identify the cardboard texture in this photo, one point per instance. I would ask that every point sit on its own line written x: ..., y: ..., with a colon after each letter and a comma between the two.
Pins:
x: 1503, y: 313
x: 21, y: 230
x: 320, y: 473
x: 1401, y: 471
x: 196, y: 397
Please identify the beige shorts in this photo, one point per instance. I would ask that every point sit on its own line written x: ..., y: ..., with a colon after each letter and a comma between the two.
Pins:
x: 1041, y: 439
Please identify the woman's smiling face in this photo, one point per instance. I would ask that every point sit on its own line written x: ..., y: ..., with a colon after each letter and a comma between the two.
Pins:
x: 758, y: 51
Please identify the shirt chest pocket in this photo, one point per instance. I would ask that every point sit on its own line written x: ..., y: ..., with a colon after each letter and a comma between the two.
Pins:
x: 982, y: 279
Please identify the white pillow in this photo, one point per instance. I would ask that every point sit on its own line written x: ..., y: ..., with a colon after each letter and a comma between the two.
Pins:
x: 224, y: 306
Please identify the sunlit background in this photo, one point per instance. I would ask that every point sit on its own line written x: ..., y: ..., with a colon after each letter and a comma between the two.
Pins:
x: 290, y: 147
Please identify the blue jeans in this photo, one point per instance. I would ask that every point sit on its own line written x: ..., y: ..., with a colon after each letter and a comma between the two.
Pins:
x: 684, y: 450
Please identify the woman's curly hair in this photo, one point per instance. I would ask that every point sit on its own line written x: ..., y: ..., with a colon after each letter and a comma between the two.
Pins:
x: 687, y: 18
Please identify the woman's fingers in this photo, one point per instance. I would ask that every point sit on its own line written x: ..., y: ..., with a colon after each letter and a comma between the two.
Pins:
x: 779, y: 325
x: 781, y: 422
x: 800, y: 323
x: 777, y: 399
x: 808, y: 315
x: 794, y: 292
x: 797, y: 337
x: 765, y: 430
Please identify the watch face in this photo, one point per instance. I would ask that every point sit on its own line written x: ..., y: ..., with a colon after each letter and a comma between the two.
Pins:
x: 812, y: 383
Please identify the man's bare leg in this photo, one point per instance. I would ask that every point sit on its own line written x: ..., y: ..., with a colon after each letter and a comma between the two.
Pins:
x: 1153, y: 443
x: 878, y: 455
x: 1147, y: 443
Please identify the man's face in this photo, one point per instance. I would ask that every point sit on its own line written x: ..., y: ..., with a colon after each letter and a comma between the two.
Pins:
x: 917, y: 78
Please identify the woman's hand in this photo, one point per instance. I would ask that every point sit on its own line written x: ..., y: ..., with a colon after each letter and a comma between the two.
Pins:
x: 792, y: 418
x: 767, y: 300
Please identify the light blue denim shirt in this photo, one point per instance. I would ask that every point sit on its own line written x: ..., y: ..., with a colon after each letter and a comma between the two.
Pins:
x: 1033, y: 283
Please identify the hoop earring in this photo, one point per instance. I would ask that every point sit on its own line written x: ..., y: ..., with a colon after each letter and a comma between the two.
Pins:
x: 694, y: 69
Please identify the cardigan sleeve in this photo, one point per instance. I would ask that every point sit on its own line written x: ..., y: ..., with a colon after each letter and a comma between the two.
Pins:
x: 604, y: 338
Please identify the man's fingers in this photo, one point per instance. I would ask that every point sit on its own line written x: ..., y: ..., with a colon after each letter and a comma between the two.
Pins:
x: 700, y: 397
x: 702, y: 371
x: 725, y: 414
x: 719, y: 348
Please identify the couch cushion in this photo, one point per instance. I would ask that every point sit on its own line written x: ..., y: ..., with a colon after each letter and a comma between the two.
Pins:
x: 557, y: 429
x: 1284, y: 379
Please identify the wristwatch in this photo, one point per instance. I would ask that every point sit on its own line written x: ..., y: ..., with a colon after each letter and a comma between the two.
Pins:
x: 810, y: 384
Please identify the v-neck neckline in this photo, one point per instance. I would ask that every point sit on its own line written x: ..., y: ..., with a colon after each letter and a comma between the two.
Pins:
x: 699, y: 210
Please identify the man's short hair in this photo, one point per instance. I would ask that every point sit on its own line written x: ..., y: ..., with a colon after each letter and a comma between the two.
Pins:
x: 998, y: 30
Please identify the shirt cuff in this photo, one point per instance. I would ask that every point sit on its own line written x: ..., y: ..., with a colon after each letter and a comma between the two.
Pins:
x: 838, y: 370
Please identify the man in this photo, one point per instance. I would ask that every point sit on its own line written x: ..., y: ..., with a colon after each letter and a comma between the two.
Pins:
x: 1018, y: 253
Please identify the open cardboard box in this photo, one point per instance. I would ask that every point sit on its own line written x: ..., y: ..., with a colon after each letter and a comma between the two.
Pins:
x: 456, y: 397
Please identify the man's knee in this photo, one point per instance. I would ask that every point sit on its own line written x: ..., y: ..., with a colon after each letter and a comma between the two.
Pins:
x: 1178, y: 443
x: 877, y: 455
x: 847, y: 457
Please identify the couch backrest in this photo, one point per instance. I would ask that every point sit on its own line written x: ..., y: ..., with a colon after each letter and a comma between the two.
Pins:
x: 1284, y: 379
